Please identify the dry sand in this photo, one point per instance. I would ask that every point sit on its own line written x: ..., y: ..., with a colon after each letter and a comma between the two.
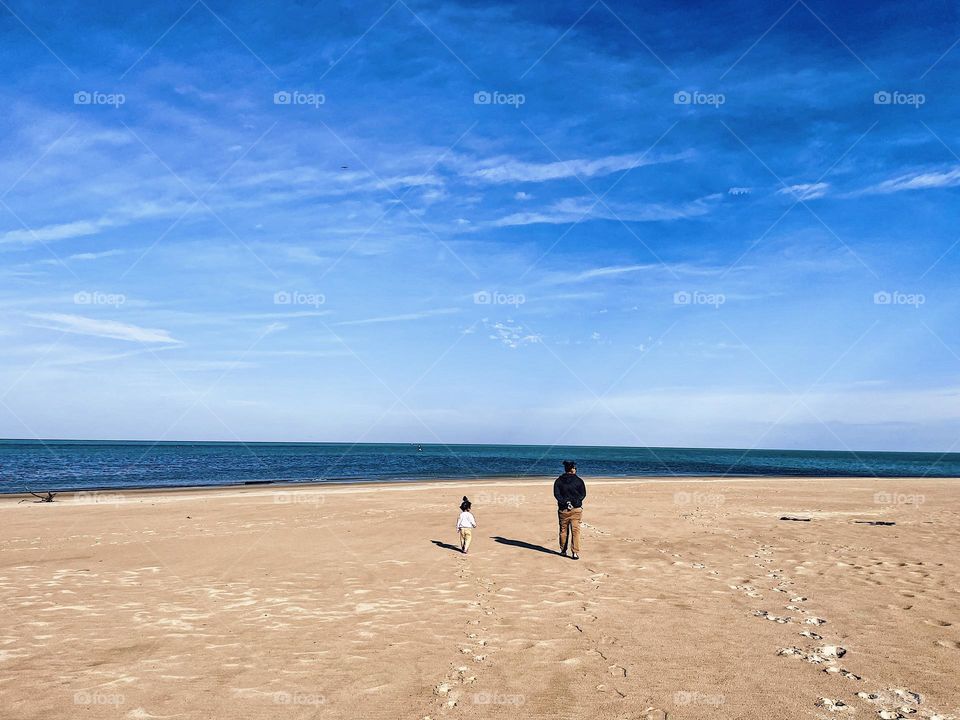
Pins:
x: 342, y: 603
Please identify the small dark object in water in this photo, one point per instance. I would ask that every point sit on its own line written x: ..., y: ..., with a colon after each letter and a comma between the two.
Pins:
x: 258, y: 482
x: 874, y: 522
x: 795, y: 519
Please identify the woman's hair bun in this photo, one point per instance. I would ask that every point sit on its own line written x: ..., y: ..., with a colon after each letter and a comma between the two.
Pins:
x: 465, y: 498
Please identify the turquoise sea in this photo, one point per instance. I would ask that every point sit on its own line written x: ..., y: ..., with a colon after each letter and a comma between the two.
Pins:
x: 73, y: 465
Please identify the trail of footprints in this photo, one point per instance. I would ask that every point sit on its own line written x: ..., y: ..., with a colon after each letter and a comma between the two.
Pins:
x: 474, y: 649
x: 889, y: 704
x: 603, y: 647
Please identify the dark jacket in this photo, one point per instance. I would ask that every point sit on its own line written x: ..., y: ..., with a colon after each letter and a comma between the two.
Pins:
x: 569, y: 488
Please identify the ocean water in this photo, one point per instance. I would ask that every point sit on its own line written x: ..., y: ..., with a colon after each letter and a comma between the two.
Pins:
x: 77, y: 465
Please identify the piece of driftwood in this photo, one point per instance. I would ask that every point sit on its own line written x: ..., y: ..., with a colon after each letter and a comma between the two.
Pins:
x: 44, y: 498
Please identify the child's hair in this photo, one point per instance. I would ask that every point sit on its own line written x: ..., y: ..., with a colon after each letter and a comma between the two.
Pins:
x: 465, y: 505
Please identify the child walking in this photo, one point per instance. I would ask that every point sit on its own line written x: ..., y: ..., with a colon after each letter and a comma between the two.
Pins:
x: 465, y: 524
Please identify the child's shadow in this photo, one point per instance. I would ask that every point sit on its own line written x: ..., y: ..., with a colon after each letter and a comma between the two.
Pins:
x: 447, y: 546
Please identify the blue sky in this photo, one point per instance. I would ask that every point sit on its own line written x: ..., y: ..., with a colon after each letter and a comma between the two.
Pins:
x: 683, y: 224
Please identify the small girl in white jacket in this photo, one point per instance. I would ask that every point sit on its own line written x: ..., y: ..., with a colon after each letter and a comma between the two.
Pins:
x: 465, y: 524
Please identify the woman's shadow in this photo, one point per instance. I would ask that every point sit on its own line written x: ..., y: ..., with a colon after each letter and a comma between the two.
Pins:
x: 525, y: 545
x: 502, y: 541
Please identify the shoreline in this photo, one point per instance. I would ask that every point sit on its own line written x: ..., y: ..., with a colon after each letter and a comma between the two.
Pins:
x: 353, y: 487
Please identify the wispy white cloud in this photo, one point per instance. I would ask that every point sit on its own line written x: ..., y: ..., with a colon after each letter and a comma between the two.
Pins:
x: 915, y: 181
x: 572, y: 210
x: 83, y: 257
x: 508, y: 169
x: 95, y: 255
x: 401, y: 318
x: 53, y: 233
x: 80, y: 325
x: 83, y: 228
x: 292, y: 314
x: 806, y: 191
x: 618, y: 270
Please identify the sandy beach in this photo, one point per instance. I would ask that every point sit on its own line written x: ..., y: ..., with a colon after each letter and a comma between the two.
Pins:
x: 694, y: 598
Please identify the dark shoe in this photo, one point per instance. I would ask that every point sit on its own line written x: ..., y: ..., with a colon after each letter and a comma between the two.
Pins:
x: 574, y: 556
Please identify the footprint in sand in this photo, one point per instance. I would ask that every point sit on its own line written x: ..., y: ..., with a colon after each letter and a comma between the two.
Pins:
x: 793, y: 652
x: 837, y: 670
x: 831, y: 651
x: 826, y: 654
x: 654, y: 714
x: 747, y: 590
x: 833, y: 705
x: 899, y: 703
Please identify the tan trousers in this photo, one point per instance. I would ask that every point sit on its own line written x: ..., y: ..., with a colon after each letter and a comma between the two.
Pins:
x: 466, y: 535
x: 570, y: 519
